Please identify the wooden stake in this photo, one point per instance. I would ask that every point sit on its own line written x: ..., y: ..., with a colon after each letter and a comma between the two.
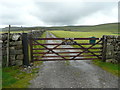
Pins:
x: 8, y: 44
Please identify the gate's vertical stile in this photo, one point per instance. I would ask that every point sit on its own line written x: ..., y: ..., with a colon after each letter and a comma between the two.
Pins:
x: 31, y: 47
x: 104, y: 49
x: 25, y: 49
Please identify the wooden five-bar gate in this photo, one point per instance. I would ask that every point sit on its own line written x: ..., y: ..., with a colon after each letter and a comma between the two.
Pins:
x: 82, y: 51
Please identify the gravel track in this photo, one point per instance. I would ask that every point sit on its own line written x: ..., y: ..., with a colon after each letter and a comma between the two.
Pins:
x: 78, y: 74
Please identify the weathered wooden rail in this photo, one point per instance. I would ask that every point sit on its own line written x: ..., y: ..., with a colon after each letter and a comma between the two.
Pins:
x: 82, y: 52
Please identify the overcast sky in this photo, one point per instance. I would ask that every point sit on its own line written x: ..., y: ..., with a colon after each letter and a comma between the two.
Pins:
x: 57, y: 12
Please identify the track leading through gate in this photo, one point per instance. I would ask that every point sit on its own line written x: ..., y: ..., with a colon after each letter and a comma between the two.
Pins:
x: 83, y: 51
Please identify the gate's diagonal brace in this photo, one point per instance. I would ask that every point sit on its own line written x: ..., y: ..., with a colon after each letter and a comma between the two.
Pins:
x: 49, y: 49
x: 53, y: 48
x: 86, y: 49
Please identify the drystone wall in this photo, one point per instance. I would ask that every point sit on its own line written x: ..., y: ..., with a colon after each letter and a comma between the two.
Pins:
x: 112, y: 48
x: 15, y: 47
x: 36, y: 33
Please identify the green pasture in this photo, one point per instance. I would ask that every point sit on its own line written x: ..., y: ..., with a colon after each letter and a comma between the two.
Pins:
x: 113, y: 68
x: 72, y: 34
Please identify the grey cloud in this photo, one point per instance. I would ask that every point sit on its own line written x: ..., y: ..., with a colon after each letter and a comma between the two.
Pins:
x: 63, y: 13
x: 50, y: 13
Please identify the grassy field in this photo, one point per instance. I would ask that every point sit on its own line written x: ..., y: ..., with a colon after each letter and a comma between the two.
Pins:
x: 72, y: 34
x: 108, y: 27
x: 15, y: 77
x: 113, y: 68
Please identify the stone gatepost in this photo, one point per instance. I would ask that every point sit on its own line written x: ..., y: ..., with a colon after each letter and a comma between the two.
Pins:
x: 111, y: 46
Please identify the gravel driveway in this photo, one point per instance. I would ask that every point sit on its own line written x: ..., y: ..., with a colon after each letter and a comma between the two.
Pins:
x: 78, y: 74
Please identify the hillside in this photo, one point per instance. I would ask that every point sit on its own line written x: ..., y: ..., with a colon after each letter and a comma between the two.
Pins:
x: 110, y: 27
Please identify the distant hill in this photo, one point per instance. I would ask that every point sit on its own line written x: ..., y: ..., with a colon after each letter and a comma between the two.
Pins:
x: 109, y: 27
x: 112, y: 27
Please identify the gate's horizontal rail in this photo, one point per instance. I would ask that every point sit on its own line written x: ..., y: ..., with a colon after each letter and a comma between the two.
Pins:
x: 64, y: 52
x: 64, y: 44
x: 68, y: 56
x: 63, y: 48
x: 64, y: 59
x: 66, y: 38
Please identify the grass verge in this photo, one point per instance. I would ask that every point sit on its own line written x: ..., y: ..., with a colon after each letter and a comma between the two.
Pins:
x: 15, y: 77
x: 112, y: 68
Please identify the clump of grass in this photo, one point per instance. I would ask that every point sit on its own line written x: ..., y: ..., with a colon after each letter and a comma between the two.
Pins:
x: 113, y: 68
x: 67, y: 62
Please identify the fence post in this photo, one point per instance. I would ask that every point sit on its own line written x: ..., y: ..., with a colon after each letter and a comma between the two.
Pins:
x: 104, y: 50
x: 22, y: 29
x: 25, y: 49
x: 8, y: 49
x: 31, y: 47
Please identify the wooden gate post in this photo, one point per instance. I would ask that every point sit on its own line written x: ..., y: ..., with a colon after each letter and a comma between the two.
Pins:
x: 104, y: 50
x: 31, y: 47
x: 25, y: 49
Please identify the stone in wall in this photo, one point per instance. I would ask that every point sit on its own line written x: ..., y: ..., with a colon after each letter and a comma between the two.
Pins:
x: 20, y: 57
x: 12, y: 57
x: 110, y: 50
x: 16, y: 43
x: 14, y: 52
x: 16, y: 37
x: 19, y: 62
